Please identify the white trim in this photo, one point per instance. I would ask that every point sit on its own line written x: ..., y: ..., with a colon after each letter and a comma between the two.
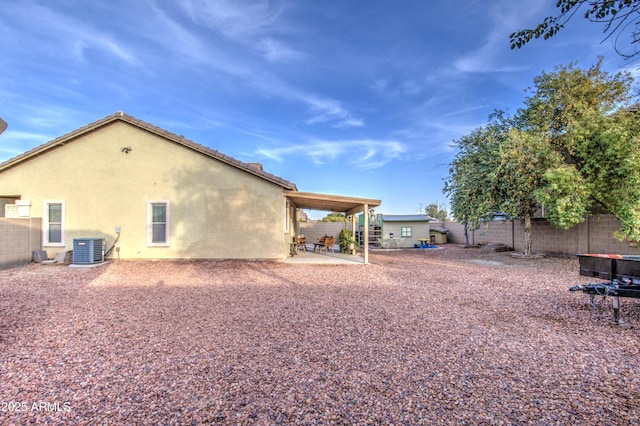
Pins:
x: 287, y: 215
x: 45, y: 224
x: 167, y: 241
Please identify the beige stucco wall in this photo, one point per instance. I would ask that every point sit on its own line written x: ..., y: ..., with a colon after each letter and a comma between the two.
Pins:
x: 216, y: 210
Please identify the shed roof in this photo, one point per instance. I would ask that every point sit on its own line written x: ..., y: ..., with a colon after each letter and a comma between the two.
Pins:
x: 406, y: 218
x: 251, y: 168
x: 440, y: 230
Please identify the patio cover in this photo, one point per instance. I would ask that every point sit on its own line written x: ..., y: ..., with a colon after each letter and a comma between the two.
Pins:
x: 336, y: 203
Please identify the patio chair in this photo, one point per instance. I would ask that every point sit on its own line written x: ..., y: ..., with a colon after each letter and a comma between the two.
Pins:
x: 382, y: 243
x: 301, y: 243
x: 329, y: 244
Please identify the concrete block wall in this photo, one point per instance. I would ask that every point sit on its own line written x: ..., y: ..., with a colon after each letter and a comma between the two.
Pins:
x: 492, y: 232
x: 601, y: 237
x: 499, y: 231
x: 546, y: 238
x: 314, y: 230
x: 18, y: 239
x: 592, y: 236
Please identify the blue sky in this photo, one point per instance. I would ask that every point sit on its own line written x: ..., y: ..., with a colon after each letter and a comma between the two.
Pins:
x: 358, y: 98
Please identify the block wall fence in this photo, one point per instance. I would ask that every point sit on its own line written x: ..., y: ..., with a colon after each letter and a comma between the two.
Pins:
x: 18, y: 239
x: 314, y: 230
x: 595, y: 235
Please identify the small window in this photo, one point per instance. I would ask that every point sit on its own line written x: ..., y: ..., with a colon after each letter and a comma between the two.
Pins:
x: 158, y: 224
x: 406, y: 232
x: 53, y: 230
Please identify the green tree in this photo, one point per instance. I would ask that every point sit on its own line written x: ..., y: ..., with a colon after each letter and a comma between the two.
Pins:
x: 566, y: 196
x: 572, y: 147
x: 524, y: 159
x: 582, y: 113
x: 470, y: 179
x: 609, y: 158
x: 334, y: 217
x: 437, y: 211
x: 618, y: 16
x: 568, y: 96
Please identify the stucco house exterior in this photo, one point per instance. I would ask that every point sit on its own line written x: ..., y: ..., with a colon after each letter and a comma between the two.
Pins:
x: 152, y: 194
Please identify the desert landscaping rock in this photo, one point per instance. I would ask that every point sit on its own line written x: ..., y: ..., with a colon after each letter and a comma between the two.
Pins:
x: 454, y: 336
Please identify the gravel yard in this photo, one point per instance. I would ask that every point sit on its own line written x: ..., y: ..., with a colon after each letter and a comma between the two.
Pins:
x: 449, y: 336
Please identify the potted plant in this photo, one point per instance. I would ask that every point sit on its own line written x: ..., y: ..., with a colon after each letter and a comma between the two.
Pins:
x: 348, y: 244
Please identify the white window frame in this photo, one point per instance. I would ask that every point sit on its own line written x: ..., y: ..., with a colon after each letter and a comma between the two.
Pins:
x: 45, y: 224
x: 406, y: 231
x: 287, y: 215
x: 167, y: 233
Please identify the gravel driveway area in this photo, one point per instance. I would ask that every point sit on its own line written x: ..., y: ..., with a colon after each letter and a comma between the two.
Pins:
x: 451, y: 336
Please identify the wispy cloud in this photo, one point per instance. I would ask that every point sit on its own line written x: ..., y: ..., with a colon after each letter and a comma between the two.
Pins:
x: 32, y: 125
x: 376, y: 153
x: 330, y: 110
x: 253, y: 27
x: 276, y: 51
x: 52, y: 28
x: 26, y: 136
x: 234, y: 18
x: 253, y: 24
x: 178, y: 40
x: 107, y: 44
x: 408, y: 87
x: 506, y: 16
x: 13, y: 143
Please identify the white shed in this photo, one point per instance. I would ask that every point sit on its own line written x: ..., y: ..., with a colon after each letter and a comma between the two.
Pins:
x: 404, y: 230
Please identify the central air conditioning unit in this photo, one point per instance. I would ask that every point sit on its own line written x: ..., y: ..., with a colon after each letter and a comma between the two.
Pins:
x: 88, y: 250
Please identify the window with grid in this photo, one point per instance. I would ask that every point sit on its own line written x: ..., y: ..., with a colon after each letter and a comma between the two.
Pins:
x: 158, y: 224
x: 53, y: 232
x: 406, y: 231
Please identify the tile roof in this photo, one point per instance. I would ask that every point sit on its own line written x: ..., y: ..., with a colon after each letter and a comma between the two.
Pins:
x: 251, y: 168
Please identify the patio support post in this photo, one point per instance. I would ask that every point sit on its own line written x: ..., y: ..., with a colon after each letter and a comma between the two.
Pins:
x: 353, y: 225
x: 366, y: 233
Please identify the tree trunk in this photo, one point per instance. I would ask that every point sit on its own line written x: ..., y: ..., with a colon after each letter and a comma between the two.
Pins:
x: 527, y: 235
x: 466, y: 235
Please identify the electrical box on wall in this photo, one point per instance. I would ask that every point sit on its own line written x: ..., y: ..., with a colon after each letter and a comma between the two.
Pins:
x: 24, y: 208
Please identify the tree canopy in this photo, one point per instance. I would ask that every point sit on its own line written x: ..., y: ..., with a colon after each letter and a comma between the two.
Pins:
x: 437, y: 211
x: 523, y: 157
x: 334, y: 217
x: 471, y: 174
x: 619, y: 17
x: 573, y: 147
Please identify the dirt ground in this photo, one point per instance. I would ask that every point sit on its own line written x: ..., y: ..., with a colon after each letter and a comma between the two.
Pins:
x: 450, y: 336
